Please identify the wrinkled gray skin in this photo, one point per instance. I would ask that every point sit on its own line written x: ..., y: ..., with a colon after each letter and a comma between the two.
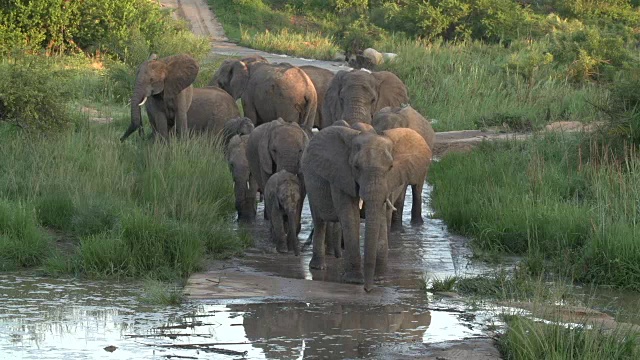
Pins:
x: 282, y: 201
x: 355, y: 96
x: 245, y: 185
x: 269, y: 91
x: 341, y: 166
x: 167, y: 82
x: 274, y: 146
x: 321, y: 78
x: 406, y: 117
x: 236, y: 126
x: 210, y: 109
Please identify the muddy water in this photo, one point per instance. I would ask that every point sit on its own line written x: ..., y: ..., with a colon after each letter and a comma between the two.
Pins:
x: 66, y: 318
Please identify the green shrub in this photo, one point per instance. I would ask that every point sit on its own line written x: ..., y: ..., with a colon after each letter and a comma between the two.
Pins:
x: 37, y: 106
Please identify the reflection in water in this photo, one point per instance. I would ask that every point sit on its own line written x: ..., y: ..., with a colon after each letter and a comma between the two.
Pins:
x: 43, y: 318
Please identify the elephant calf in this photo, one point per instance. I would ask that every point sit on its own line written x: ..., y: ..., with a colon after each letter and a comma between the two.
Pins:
x: 281, y: 201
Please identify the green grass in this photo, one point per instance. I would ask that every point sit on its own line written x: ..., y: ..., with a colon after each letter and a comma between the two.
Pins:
x: 470, y: 86
x: 160, y: 293
x: 439, y: 285
x: 528, y: 339
x: 22, y: 242
x: 130, y: 209
x: 552, y: 199
x: 307, y: 45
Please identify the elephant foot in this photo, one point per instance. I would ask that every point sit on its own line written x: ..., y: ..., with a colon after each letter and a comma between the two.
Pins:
x: 417, y: 220
x: 282, y: 248
x: 338, y: 253
x: 397, y: 227
x: 353, y: 277
x: 317, y: 263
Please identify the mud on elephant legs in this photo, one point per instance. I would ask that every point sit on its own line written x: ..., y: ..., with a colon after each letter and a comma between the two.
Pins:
x: 348, y: 212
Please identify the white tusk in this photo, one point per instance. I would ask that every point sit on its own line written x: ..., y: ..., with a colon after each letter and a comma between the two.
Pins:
x: 143, y: 101
x: 248, y: 186
x: 388, y: 202
x: 360, y: 204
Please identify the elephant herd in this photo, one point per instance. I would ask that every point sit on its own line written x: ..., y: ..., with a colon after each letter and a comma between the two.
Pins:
x: 369, y: 147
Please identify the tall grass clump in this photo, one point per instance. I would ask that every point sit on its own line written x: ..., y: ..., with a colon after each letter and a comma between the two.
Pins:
x: 528, y: 339
x: 22, y: 242
x: 131, y: 210
x: 550, y: 197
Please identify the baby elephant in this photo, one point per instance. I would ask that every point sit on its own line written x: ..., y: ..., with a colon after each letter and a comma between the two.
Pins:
x: 282, y: 201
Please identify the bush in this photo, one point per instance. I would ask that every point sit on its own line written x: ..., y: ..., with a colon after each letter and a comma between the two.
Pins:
x: 30, y: 95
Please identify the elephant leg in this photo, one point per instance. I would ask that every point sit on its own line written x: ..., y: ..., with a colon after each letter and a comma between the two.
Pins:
x: 416, y: 206
x: 334, y: 240
x: 249, y: 111
x: 181, y: 123
x: 396, y: 217
x: 278, y: 225
x: 303, y: 193
x: 161, y: 125
x: 348, y: 212
x: 319, y: 233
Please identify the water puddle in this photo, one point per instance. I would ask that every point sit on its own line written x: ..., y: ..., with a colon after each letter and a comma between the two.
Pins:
x: 44, y: 318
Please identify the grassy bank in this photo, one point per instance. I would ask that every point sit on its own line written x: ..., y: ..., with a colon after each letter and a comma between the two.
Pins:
x: 125, y: 210
x: 564, y: 202
x: 73, y: 199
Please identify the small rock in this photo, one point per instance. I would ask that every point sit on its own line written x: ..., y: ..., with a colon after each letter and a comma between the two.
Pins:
x: 110, y: 348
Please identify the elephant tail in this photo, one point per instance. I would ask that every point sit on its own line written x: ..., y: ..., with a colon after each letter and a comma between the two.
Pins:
x: 308, y: 115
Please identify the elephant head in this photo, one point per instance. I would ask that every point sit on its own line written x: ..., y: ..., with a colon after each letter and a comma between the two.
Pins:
x: 355, y: 96
x: 367, y: 166
x: 233, y: 75
x: 167, y: 77
x: 281, y: 148
x: 236, y: 126
x: 245, y: 186
x: 404, y: 117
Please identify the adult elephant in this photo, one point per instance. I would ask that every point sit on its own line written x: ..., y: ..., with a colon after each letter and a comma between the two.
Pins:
x: 406, y: 117
x: 269, y: 91
x: 167, y: 82
x: 355, y: 96
x: 341, y: 166
x: 321, y: 78
x: 274, y: 146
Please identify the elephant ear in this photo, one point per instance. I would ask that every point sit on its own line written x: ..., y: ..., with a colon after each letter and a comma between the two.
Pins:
x: 181, y: 72
x: 267, y: 164
x: 328, y: 156
x: 391, y: 90
x: 332, y: 107
x: 408, y: 147
x: 238, y: 78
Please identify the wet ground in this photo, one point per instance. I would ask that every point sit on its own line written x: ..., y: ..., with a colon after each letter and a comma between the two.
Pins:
x: 52, y: 319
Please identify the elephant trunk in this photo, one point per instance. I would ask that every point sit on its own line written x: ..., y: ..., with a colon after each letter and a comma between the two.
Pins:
x: 138, y: 99
x: 375, y: 196
x: 245, y: 194
x: 291, y: 163
x: 292, y: 230
x: 356, y: 111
